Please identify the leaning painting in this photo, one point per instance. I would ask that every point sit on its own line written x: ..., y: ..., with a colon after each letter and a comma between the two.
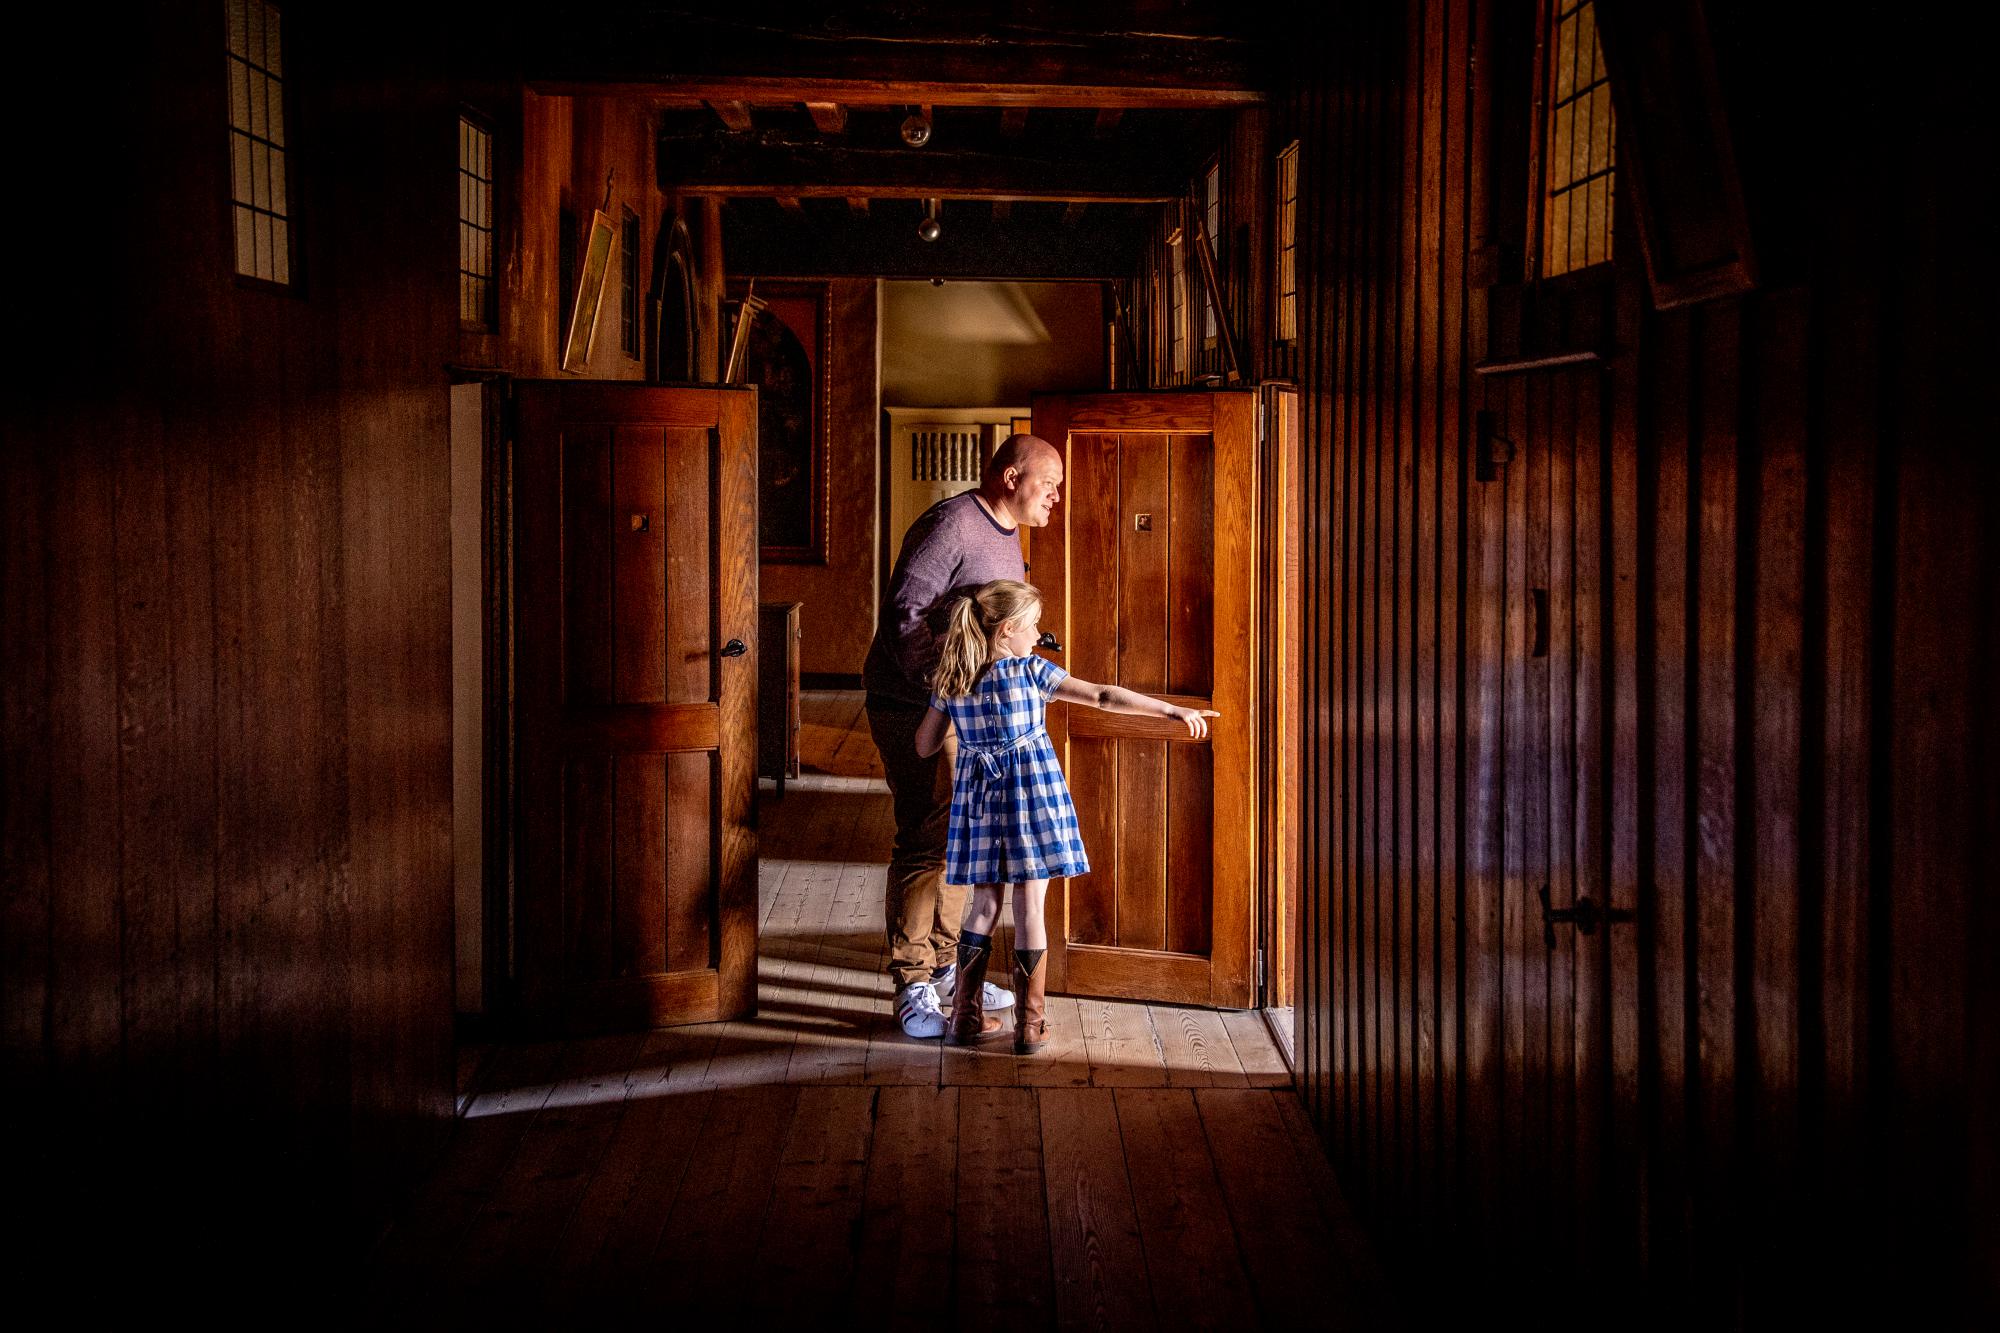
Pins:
x: 785, y: 356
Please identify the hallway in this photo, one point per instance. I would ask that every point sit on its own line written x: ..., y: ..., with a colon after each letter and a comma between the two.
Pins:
x: 1150, y: 1168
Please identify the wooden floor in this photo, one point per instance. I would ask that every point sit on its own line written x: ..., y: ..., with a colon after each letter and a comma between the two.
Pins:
x: 1149, y: 1168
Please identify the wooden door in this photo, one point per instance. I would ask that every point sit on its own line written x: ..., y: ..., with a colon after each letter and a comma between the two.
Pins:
x: 1148, y: 570
x: 1544, y: 529
x: 635, y: 703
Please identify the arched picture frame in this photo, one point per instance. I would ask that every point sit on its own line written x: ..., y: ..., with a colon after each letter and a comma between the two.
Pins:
x: 676, y: 330
x: 785, y: 356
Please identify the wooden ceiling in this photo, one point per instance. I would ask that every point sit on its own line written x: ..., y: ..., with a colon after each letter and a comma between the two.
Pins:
x: 1057, y: 131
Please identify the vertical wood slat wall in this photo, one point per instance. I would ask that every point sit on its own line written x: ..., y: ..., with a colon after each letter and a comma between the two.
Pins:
x: 1764, y: 531
x: 227, y: 881
x: 226, y: 906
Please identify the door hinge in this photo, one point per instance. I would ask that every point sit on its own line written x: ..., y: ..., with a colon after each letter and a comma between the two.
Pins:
x: 1260, y: 973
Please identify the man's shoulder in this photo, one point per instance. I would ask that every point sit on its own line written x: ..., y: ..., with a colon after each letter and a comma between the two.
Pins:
x: 944, y: 520
x: 951, y: 509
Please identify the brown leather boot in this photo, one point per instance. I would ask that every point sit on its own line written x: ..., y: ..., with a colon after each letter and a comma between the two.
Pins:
x: 1031, y: 1000
x: 969, y: 1019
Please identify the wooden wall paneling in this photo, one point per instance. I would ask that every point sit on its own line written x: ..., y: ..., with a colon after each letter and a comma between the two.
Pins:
x: 530, y: 301
x: 1566, y: 879
x: 151, y: 985
x: 27, y: 654
x: 1846, y: 483
x: 1587, y: 835
x: 82, y: 1015
x: 389, y: 538
x: 1665, y: 930
x: 1626, y: 669
x: 1520, y: 806
x: 1423, y: 195
x: 1402, y: 119
x: 1324, y: 1015
x: 1719, y: 633
x: 1350, y: 385
x: 1373, y: 361
x: 1774, y: 735
x: 1460, y: 332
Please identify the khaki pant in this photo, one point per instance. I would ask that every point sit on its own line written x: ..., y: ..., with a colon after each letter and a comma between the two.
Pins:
x: 922, y: 911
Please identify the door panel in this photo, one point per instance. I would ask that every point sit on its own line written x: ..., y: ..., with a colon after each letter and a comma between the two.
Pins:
x: 1147, y: 573
x: 1550, y: 606
x: 635, y: 551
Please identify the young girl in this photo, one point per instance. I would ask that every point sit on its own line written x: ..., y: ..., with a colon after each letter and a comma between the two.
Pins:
x: 1011, y: 817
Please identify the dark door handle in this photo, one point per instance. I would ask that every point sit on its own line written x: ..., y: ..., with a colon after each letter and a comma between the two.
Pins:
x: 1585, y: 916
x: 734, y: 648
x: 1049, y: 641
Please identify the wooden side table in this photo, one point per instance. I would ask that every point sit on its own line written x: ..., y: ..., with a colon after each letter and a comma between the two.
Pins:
x: 778, y: 691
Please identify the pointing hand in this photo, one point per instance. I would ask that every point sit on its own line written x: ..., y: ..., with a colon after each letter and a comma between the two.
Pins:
x: 1197, y: 720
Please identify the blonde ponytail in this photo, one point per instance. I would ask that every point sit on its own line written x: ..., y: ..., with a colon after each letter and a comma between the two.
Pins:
x: 968, y: 636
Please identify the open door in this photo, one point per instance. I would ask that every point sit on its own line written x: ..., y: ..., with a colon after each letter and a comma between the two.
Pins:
x: 1149, y: 575
x: 635, y: 551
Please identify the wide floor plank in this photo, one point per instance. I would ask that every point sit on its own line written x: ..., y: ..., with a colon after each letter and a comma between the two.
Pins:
x: 1094, y: 1242
x: 909, y: 1210
x: 1003, y: 1236
x: 1191, y: 1258
x: 1150, y: 1167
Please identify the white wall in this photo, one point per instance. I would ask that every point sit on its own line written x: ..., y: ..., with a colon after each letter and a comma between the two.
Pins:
x: 976, y: 344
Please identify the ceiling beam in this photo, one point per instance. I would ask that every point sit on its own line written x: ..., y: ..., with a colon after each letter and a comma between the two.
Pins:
x: 733, y: 115
x: 672, y: 55
x: 829, y: 117
x: 1106, y: 245
x: 770, y: 164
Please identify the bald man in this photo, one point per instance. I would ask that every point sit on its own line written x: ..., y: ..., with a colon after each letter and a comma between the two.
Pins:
x: 954, y: 547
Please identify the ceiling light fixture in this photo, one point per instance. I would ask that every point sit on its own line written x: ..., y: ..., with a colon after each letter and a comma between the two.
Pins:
x: 917, y: 129
x: 928, y: 229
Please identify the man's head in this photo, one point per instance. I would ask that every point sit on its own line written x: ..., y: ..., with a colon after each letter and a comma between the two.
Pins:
x: 1025, y: 477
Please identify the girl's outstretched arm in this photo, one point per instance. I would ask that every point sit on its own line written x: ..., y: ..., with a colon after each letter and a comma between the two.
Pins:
x: 930, y: 733
x: 1118, y: 699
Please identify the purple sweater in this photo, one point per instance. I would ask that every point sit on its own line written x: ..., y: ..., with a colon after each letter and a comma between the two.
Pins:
x: 953, y: 547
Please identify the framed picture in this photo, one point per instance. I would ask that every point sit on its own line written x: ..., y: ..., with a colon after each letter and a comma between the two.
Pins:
x: 784, y: 346
x: 580, y: 330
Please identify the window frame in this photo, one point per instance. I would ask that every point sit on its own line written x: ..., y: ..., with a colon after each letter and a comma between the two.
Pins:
x: 483, y: 124
x: 1549, y: 16
x: 294, y: 283
x: 1285, y: 247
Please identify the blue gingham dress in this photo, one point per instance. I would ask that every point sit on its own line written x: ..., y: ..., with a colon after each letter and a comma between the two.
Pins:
x: 1011, y: 816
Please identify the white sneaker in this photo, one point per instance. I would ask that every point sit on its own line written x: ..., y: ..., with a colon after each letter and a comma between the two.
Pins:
x: 945, y: 982
x: 917, y: 1010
